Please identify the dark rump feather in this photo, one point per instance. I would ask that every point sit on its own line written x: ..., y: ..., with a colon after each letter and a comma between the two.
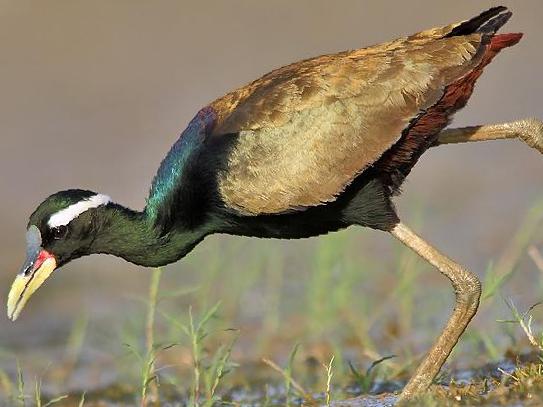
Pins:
x: 488, y: 21
x: 492, y: 26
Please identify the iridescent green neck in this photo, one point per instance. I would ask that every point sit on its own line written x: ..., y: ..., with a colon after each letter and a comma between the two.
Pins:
x: 132, y: 236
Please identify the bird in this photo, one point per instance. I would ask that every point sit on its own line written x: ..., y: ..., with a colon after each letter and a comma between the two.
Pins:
x: 307, y: 149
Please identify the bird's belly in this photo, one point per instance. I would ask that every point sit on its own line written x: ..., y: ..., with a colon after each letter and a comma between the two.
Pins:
x: 288, y: 231
x: 293, y: 225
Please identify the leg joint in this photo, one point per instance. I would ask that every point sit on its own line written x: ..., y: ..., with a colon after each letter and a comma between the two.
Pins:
x: 531, y: 132
x: 467, y: 288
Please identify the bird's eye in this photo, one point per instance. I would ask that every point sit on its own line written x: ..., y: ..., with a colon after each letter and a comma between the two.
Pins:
x: 59, y: 232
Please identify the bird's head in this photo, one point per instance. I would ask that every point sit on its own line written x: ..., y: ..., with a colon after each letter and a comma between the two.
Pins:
x: 61, y: 229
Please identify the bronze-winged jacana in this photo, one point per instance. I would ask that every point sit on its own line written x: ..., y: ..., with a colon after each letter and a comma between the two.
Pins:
x: 309, y: 148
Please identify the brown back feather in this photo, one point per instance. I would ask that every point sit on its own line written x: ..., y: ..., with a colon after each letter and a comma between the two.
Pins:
x: 308, y: 129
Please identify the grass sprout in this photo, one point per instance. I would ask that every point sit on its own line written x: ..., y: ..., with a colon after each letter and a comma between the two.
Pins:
x: 147, y: 359
x: 329, y: 375
x: 525, y: 321
x: 38, y: 396
x: 149, y: 377
x: 208, y: 370
x: 367, y: 379
x: 289, y: 380
x: 21, y: 397
x: 82, y: 400
x: 220, y: 366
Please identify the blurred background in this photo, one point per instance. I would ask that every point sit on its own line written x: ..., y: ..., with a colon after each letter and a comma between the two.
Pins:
x: 92, y: 96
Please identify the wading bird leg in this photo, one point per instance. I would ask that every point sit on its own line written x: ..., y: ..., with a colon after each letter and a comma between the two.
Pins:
x: 528, y: 130
x: 467, y: 288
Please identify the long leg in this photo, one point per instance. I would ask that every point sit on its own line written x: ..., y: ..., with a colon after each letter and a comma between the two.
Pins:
x: 528, y: 130
x: 467, y: 286
x: 467, y: 289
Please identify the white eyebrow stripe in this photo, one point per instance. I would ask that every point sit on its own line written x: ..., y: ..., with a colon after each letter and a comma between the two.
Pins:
x: 66, y: 215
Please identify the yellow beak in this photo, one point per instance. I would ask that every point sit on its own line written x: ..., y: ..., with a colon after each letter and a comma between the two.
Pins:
x: 25, y: 285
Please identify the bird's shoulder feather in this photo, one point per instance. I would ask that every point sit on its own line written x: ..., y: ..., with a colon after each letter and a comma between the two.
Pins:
x: 173, y: 196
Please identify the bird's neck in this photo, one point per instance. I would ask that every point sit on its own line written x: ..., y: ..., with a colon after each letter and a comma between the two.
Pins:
x: 132, y: 235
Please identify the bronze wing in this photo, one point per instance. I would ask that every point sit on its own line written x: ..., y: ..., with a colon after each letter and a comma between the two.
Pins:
x: 308, y: 129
